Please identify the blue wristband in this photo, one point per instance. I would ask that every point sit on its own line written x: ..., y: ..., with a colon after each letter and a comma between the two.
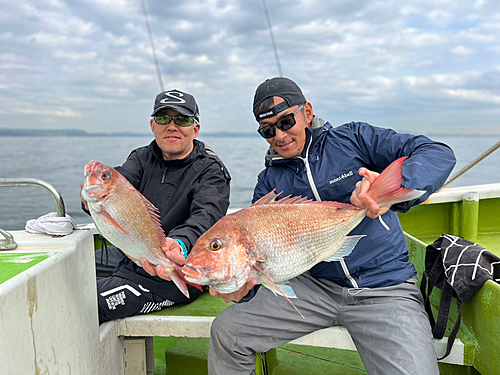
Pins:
x: 183, y: 247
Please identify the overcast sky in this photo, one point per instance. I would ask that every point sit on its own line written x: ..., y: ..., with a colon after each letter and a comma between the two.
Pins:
x: 429, y: 66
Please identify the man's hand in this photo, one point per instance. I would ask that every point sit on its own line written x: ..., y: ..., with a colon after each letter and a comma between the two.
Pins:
x: 235, y: 296
x: 83, y: 200
x: 173, y: 252
x: 361, y: 200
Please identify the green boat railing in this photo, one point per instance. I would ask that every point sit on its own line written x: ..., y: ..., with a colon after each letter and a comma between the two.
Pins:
x: 473, y: 213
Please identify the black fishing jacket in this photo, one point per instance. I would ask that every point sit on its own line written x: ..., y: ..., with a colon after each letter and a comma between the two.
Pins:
x: 192, y: 194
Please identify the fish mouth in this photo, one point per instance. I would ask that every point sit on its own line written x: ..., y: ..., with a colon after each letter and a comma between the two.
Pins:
x: 195, y: 273
x: 93, y: 192
x: 91, y: 187
x: 223, y: 281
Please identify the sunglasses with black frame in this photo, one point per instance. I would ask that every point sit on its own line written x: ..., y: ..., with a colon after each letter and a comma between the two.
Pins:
x: 183, y: 121
x: 285, y: 123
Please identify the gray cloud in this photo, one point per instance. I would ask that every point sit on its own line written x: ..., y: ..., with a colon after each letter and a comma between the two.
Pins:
x: 431, y: 66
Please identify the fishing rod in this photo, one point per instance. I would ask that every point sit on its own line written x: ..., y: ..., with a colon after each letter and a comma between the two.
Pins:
x: 472, y: 164
x: 151, y: 41
x: 272, y: 38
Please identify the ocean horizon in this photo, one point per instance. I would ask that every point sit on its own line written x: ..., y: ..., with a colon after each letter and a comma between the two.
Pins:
x: 14, y: 132
x: 60, y: 160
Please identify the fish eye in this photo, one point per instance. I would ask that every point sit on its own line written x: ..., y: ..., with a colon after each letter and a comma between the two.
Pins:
x: 105, y: 175
x: 215, y: 245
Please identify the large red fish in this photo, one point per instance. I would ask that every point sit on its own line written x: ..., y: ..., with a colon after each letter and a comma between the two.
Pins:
x: 274, y: 241
x: 127, y: 219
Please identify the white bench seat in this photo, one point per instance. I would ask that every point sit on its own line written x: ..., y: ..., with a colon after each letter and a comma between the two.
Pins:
x: 199, y: 327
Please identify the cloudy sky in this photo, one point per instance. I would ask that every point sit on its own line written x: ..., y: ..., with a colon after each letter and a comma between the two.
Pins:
x: 424, y: 66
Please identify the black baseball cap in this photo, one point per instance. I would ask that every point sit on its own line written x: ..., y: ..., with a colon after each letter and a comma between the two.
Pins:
x: 179, y: 101
x: 279, y: 86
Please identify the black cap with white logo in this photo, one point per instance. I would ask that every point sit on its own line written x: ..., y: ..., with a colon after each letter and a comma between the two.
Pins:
x: 179, y: 101
x: 279, y: 86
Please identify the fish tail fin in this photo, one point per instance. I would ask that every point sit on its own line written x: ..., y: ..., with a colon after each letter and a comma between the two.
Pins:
x: 179, y: 281
x: 386, y: 190
x: 275, y: 289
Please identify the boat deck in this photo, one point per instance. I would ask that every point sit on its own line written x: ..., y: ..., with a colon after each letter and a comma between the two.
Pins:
x: 57, y: 309
x: 13, y: 264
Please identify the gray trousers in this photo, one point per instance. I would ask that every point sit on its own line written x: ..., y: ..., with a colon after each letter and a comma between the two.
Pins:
x: 389, y: 326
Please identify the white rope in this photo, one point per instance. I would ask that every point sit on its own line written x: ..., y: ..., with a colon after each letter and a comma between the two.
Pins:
x: 51, y: 224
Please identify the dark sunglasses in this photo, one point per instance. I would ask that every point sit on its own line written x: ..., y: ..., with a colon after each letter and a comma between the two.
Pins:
x: 285, y: 123
x: 179, y: 120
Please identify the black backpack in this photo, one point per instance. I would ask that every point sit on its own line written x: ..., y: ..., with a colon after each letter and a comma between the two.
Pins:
x: 459, y: 268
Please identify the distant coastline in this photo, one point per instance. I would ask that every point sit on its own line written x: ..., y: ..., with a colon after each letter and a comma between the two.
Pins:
x: 11, y: 132
x: 82, y: 133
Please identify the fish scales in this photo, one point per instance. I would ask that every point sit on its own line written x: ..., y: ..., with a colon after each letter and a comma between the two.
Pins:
x: 293, y: 237
x: 143, y: 239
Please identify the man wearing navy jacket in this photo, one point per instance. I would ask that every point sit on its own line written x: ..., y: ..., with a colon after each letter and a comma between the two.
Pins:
x: 372, y: 291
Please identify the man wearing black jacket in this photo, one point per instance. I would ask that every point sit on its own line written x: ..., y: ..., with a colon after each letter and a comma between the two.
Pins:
x: 188, y: 184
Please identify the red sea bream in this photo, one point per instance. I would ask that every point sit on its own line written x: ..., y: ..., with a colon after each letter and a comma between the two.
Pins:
x: 127, y: 219
x: 276, y: 240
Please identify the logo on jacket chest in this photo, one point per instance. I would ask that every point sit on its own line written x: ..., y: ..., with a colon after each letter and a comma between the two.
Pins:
x: 341, y: 177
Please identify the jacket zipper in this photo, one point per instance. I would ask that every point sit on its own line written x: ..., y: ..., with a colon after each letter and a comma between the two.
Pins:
x: 318, y: 198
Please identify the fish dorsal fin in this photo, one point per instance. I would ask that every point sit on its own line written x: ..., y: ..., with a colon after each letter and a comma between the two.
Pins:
x: 270, y: 198
x: 155, y: 215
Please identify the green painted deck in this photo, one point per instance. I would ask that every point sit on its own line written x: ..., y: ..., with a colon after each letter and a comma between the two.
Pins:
x: 291, y: 359
x: 13, y: 264
x: 479, y: 332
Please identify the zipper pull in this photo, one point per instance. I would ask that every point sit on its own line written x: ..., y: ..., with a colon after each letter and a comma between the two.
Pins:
x: 164, y: 174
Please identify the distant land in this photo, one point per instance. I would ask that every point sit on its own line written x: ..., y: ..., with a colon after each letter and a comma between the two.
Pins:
x: 83, y: 133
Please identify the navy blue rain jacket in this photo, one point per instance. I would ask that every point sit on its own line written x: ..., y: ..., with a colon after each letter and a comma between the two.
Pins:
x: 334, y: 156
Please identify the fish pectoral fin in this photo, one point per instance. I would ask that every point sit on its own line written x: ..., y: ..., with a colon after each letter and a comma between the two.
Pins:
x: 108, y: 219
x: 346, y: 248
x: 275, y: 289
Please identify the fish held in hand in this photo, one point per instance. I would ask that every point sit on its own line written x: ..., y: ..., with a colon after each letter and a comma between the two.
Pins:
x: 273, y: 241
x: 127, y: 219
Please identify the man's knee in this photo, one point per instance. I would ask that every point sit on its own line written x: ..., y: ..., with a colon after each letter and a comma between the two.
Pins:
x: 221, y: 325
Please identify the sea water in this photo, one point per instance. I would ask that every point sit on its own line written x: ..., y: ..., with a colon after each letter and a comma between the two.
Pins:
x: 60, y: 161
